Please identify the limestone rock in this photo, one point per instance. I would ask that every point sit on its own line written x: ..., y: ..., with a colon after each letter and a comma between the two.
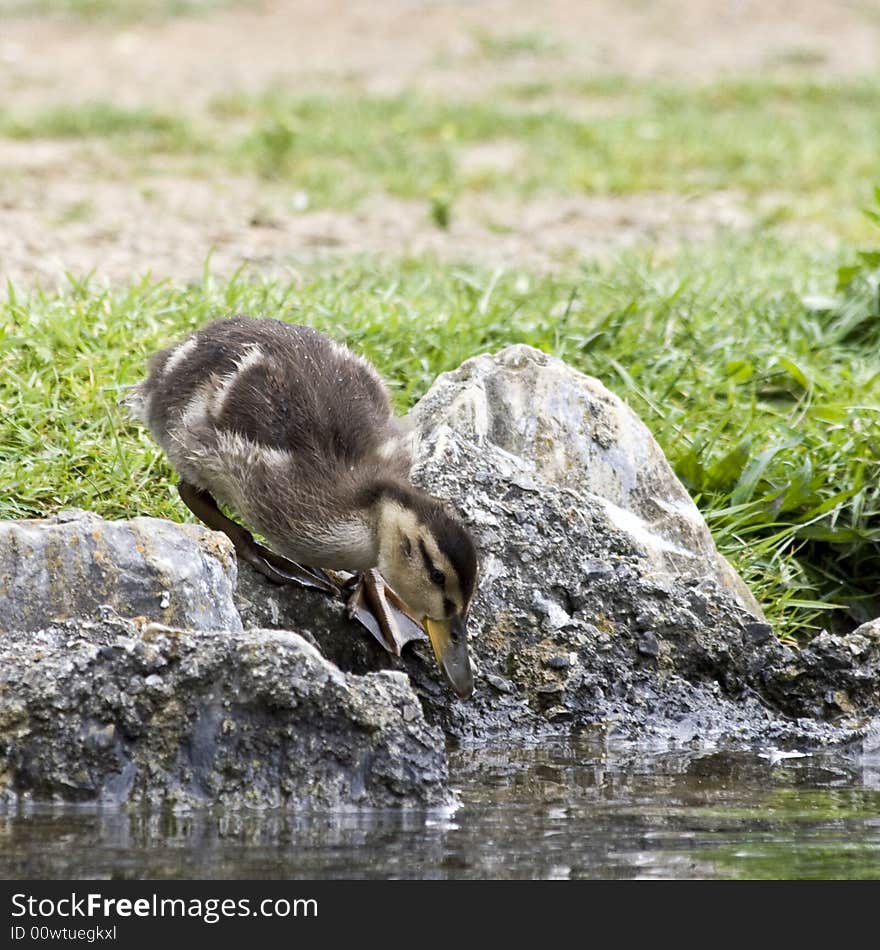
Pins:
x: 567, y: 430
x: 114, y: 712
x: 137, y: 665
x: 601, y: 597
x: 77, y: 565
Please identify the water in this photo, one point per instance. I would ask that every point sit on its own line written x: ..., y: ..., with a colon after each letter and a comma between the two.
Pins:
x: 573, y: 809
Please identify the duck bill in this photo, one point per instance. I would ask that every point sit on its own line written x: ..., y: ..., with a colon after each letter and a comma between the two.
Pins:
x: 449, y: 640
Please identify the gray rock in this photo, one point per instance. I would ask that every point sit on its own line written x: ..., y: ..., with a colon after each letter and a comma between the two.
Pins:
x: 98, y: 701
x: 835, y: 676
x: 660, y: 641
x: 147, y: 713
x: 867, y: 631
x: 559, y: 427
x: 601, y: 599
x: 76, y: 565
x: 759, y: 632
x: 648, y: 645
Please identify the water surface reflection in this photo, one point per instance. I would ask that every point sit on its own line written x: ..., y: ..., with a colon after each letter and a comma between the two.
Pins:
x: 572, y: 809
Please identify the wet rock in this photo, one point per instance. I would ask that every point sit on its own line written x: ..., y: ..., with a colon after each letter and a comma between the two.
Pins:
x: 77, y: 565
x: 126, y: 676
x: 835, y: 676
x: 862, y: 637
x: 601, y: 601
x: 758, y: 633
x: 149, y: 713
x: 648, y: 645
x: 591, y: 550
x: 499, y: 683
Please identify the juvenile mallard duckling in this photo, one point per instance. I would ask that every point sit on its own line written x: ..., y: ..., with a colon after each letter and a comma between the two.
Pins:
x: 295, y: 434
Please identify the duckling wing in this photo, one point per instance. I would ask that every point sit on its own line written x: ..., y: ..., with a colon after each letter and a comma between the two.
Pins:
x: 283, y: 387
x: 283, y: 426
x: 312, y: 397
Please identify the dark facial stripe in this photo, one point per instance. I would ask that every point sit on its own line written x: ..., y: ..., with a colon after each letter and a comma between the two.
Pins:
x: 438, y: 578
x: 451, y: 536
x: 455, y: 543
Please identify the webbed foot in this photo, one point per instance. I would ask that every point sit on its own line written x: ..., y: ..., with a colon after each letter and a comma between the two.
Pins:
x: 378, y: 608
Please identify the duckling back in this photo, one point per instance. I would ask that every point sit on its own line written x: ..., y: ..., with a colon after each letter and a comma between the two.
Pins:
x: 285, y: 387
x: 278, y: 422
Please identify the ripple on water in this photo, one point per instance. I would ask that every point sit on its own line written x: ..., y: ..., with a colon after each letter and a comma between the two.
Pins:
x: 569, y: 809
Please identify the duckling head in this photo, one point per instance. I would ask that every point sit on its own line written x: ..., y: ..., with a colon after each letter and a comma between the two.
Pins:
x: 429, y: 559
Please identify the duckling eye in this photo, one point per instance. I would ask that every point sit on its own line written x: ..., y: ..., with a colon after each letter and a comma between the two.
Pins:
x: 437, y: 577
x: 406, y: 547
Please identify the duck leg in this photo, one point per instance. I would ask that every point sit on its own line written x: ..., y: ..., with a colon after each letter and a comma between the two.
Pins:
x: 375, y: 605
x: 278, y: 569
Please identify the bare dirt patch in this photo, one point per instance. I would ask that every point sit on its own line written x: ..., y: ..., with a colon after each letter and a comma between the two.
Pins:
x: 457, y: 46
x: 83, y: 208
x: 170, y: 225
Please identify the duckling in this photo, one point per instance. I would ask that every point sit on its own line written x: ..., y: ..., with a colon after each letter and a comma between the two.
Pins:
x: 295, y: 434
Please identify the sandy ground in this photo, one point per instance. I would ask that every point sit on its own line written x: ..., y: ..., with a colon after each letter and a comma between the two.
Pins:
x: 393, y: 44
x: 79, y: 206
x: 65, y: 217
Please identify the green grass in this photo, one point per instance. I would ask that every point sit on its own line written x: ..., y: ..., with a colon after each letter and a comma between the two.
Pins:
x: 765, y: 398
x: 769, y: 410
x: 128, y: 129
x: 813, y: 147
x: 112, y: 10
x: 800, y: 152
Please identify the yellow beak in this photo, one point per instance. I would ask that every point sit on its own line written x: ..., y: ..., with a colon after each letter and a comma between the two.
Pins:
x: 449, y: 640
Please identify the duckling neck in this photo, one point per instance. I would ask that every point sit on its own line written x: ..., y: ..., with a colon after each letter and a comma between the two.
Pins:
x: 336, y: 532
x: 350, y: 531
x: 351, y: 538
x: 392, y: 519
